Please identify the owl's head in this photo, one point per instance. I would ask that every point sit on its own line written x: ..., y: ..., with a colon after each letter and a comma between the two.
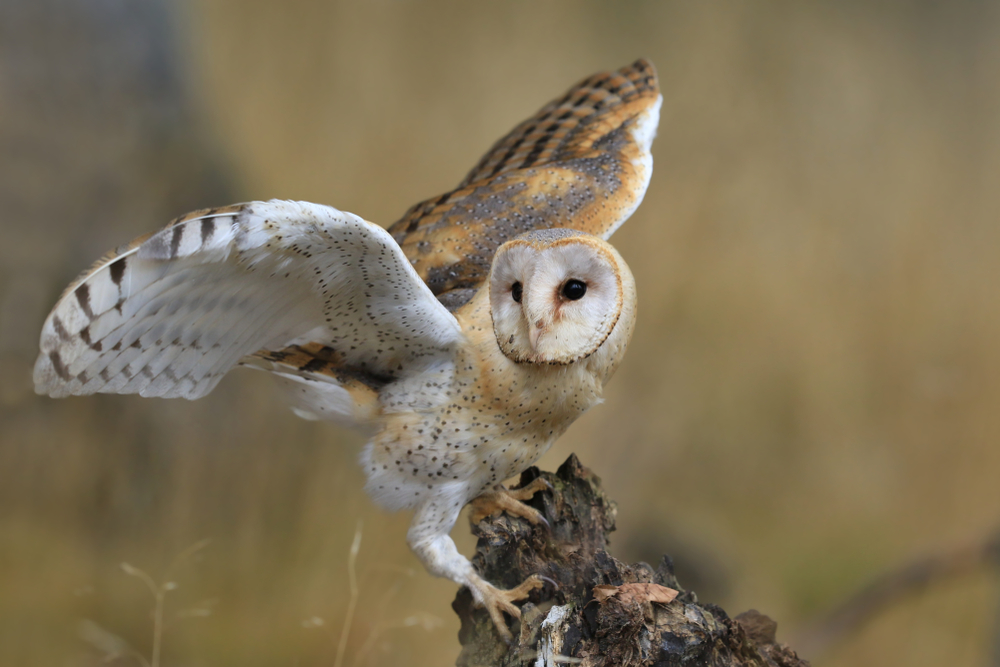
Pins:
x: 558, y: 295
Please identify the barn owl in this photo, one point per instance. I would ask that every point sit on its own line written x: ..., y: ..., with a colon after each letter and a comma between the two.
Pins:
x: 466, y: 338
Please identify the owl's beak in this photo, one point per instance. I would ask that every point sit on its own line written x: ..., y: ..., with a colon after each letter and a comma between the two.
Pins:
x: 534, y: 333
x: 538, y: 319
x: 537, y: 327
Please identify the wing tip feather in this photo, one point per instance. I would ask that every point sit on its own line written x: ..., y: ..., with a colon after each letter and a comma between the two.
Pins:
x: 46, y: 377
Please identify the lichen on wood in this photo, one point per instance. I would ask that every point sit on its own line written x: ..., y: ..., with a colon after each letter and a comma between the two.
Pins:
x: 566, y: 624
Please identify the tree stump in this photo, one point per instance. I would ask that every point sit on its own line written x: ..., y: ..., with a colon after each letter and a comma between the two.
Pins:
x: 568, y: 624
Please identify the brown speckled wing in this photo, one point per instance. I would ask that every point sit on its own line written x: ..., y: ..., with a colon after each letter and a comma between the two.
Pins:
x: 581, y: 162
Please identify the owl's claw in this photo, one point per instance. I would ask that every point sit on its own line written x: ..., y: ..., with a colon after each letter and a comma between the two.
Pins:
x: 501, y: 499
x: 498, y: 601
x: 492, y: 502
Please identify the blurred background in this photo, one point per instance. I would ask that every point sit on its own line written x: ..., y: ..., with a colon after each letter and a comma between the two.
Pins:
x: 810, y: 400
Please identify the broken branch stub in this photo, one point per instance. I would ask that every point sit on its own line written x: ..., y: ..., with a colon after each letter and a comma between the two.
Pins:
x: 603, y: 612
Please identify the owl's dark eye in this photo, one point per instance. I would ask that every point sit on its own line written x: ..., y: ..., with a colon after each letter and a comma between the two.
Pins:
x: 574, y: 289
x: 515, y: 292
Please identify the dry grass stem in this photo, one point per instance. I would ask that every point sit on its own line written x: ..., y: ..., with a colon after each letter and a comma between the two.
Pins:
x: 159, y: 592
x: 352, y: 579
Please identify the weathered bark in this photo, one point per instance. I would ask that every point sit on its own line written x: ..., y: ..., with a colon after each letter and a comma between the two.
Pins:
x: 569, y: 622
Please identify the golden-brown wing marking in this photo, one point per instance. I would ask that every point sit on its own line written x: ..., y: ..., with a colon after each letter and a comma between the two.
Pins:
x: 308, y: 369
x: 571, y: 124
x: 321, y: 360
x: 582, y: 161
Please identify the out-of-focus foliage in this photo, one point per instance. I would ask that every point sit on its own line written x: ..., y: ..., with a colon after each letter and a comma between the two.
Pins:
x: 810, y: 397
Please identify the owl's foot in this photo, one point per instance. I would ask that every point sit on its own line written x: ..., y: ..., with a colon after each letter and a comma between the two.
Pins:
x: 498, y: 601
x: 501, y: 499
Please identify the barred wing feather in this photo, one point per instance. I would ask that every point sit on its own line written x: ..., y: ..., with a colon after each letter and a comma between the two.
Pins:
x: 169, y: 314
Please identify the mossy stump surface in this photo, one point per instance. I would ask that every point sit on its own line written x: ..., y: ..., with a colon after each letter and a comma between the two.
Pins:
x: 568, y: 626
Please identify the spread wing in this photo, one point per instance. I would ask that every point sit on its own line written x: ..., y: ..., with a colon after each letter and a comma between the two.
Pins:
x: 169, y: 314
x: 581, y: 162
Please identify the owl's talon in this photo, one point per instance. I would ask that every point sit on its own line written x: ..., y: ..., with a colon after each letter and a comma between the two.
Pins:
x: 497, y: 602
x: 528, y: 491
x: 501, y: 499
